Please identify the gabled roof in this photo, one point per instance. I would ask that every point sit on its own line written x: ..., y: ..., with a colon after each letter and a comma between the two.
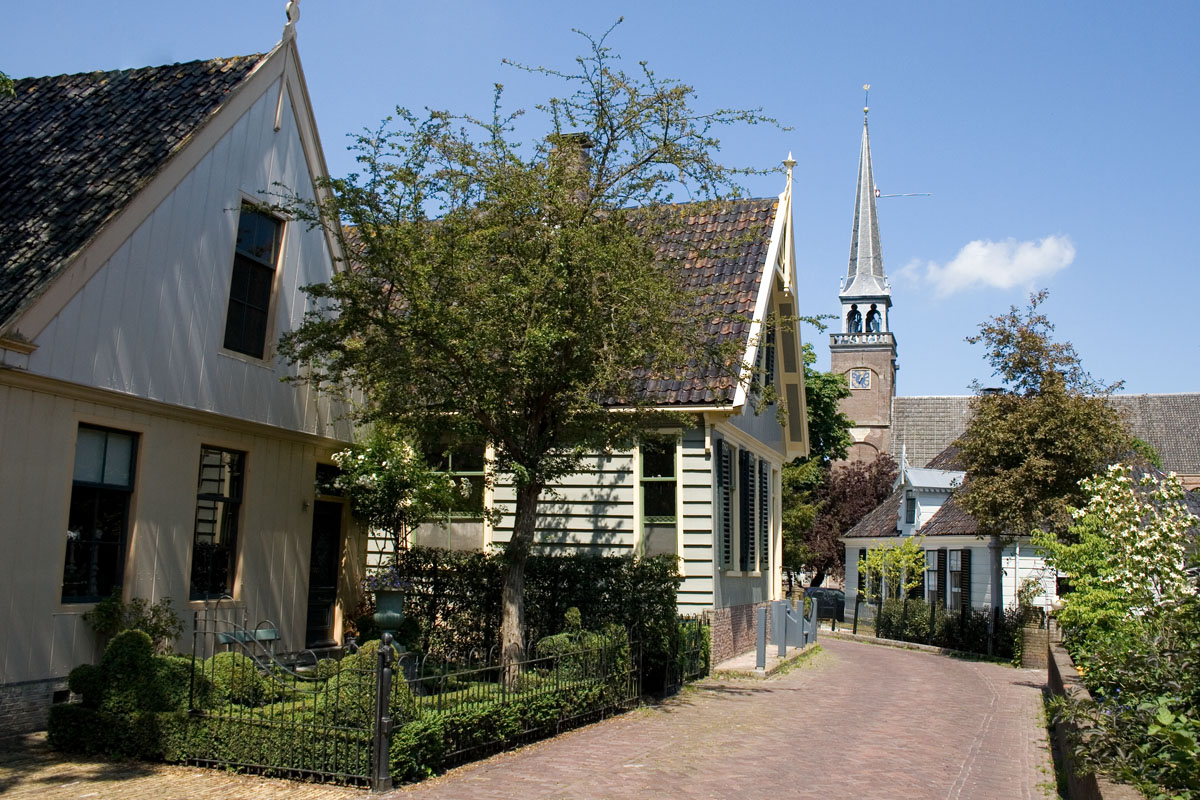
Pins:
x: 926, y: 426
x: 947, y: 479
x: 722, y: 249
x: 74, y: 149
x: 881, y: 521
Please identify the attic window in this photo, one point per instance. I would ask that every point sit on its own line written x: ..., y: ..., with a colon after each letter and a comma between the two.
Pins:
x: 255, y: 257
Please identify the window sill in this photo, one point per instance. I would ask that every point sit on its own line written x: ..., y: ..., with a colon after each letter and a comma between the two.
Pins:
x: 266, y: 362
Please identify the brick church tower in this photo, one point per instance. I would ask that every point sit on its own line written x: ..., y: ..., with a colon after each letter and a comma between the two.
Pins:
x: 865, y: 350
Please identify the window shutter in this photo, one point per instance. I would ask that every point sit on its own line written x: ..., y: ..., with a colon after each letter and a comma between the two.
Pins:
x: 862, y: 556
x: 746, y: 510
x: 770, y: 357
x: 764, y: 515
x: 966, y: 581
x: 942, y: 577
x: 724, y: 512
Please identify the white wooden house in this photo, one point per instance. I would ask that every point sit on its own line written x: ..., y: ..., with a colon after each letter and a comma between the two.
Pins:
x: 149, y: 446
x: 708, y: 493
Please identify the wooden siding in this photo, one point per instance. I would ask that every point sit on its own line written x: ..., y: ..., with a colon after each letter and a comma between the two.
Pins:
x: 45, y: 638
x: 150, y: 322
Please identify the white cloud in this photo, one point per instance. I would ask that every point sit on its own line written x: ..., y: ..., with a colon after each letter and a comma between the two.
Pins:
x: 999, y: 265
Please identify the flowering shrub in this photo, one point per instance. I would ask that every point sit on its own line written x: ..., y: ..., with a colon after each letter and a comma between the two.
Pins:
x: 1132, y: 622
x: 1126, y: 550
x: 391, y: 486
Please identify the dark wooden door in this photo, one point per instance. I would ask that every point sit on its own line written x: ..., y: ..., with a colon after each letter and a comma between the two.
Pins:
x: 323, y: 573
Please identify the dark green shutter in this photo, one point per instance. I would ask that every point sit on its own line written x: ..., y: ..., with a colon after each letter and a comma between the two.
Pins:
x: 746, y: 510
x: 862, y: 556
x: 942, y: 577
x: 965, y: 582
x: 764, y: 515
x: 724, y: 465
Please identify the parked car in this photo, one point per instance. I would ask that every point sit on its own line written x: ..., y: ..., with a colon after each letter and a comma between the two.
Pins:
x: 831, y: 603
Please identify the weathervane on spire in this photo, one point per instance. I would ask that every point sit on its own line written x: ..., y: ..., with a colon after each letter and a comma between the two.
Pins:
x: 866, y: 96
x: 293, y: 16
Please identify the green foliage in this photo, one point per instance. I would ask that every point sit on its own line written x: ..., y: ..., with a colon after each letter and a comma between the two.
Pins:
x: 7, y: 89
x: 238, y: 679
x: 1144, y: 676
x: 828, y: 427
x: 1026, y: 449
x: 1126, y: 551
x: 454, y: 599
x: 112, y: 615
x: 348, y: 697
x: 390, y: 485
x: 898, y: 566
x: 908, y: 621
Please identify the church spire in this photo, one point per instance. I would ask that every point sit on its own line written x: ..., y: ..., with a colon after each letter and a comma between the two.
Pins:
x: 865, y: 277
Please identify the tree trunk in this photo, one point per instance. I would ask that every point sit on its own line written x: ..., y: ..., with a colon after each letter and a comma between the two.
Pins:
x: 818, y: 578
x: 512, y: 623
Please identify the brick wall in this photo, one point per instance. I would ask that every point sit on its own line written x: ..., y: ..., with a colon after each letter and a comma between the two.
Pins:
x: 735, y: 630
x: 1034, y: 644
x: 24, y: 706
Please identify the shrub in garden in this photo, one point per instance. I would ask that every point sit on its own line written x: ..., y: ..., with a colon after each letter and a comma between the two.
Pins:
x: 122, y: 698
x: 112, y: 615
x: 908, y: 621
x: 349, y: 695
x: 238, y: 679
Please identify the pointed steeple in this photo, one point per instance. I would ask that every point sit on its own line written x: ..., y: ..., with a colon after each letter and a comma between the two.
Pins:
x: 865, y: 277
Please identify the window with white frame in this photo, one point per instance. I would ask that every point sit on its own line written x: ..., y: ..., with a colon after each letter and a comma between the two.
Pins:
x: 658, y: 487
x: 931, y: 576
x: 955, y: 579
x: 464, y: 462
x: 910, y: 508
x: 98, y: 521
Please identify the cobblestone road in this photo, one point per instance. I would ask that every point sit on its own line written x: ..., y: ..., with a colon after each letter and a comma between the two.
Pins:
x: 857, y: 721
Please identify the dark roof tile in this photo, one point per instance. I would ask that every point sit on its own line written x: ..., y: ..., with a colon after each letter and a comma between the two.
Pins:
x: 74, y: 149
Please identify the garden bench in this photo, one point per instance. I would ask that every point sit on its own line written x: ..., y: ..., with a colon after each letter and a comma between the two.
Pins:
x: 269, y: 636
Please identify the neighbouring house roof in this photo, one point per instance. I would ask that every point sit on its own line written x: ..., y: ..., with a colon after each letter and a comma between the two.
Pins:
x: 950, y: 520
x: 881, y: 521
x: 926, y: 426
x: 722, y: 249
x: 75, y: 149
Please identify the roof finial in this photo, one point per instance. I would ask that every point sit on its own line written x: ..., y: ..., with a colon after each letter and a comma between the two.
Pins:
x: 866, y: 95
x: 789, y: 162
x: 293, y: 16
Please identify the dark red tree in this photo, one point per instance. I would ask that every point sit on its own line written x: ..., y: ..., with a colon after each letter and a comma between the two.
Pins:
x: 848, y: 493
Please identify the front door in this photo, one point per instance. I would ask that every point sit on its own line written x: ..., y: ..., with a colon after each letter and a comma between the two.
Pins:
x: 323, y: 573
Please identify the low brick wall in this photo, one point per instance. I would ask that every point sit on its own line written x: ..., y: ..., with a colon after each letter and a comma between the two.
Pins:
x: 1064, y: 681
x: 25, y: 706
x: 734, y: 630
x: 1034, y: 647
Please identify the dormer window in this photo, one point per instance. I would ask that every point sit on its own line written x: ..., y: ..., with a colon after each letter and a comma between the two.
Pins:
x: 254, y: 260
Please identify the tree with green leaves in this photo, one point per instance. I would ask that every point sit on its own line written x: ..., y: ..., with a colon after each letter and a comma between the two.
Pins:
x: 7, y: 88
x: 512, y: 292
x: 1028, y: 446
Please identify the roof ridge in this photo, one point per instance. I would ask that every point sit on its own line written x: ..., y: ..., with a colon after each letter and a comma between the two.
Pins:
x: 86, y: 73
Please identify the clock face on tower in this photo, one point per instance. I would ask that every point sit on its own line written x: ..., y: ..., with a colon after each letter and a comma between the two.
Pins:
x: 860, y: 379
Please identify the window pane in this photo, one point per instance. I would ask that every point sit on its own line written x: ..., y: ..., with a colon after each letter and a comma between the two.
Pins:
x: 660, y: 539
x: 118, y: 460
x: 89, y: 455
x: 95, y: 543
x: 257, y: 235
x: 955, y: 560
x: 658, y: 499
x: 467, y: 458
x: 214, y: 545
x: 658, y: 459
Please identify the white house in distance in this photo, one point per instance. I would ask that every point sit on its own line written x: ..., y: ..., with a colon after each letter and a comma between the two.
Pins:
x: 149, y: 445
x: 708, y: 493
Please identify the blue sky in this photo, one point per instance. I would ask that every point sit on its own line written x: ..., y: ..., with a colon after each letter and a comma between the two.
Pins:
x: 1057, y: 139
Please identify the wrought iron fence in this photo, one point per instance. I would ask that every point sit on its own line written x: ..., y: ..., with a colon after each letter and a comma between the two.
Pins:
x: 332, y: 718
x: 690, y: 652
x: 301, y: 716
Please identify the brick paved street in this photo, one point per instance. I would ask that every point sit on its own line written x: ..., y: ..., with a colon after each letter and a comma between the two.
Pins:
x: 859, y: 721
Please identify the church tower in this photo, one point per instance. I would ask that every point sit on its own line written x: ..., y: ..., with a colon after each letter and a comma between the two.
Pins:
x: 865, y: 350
